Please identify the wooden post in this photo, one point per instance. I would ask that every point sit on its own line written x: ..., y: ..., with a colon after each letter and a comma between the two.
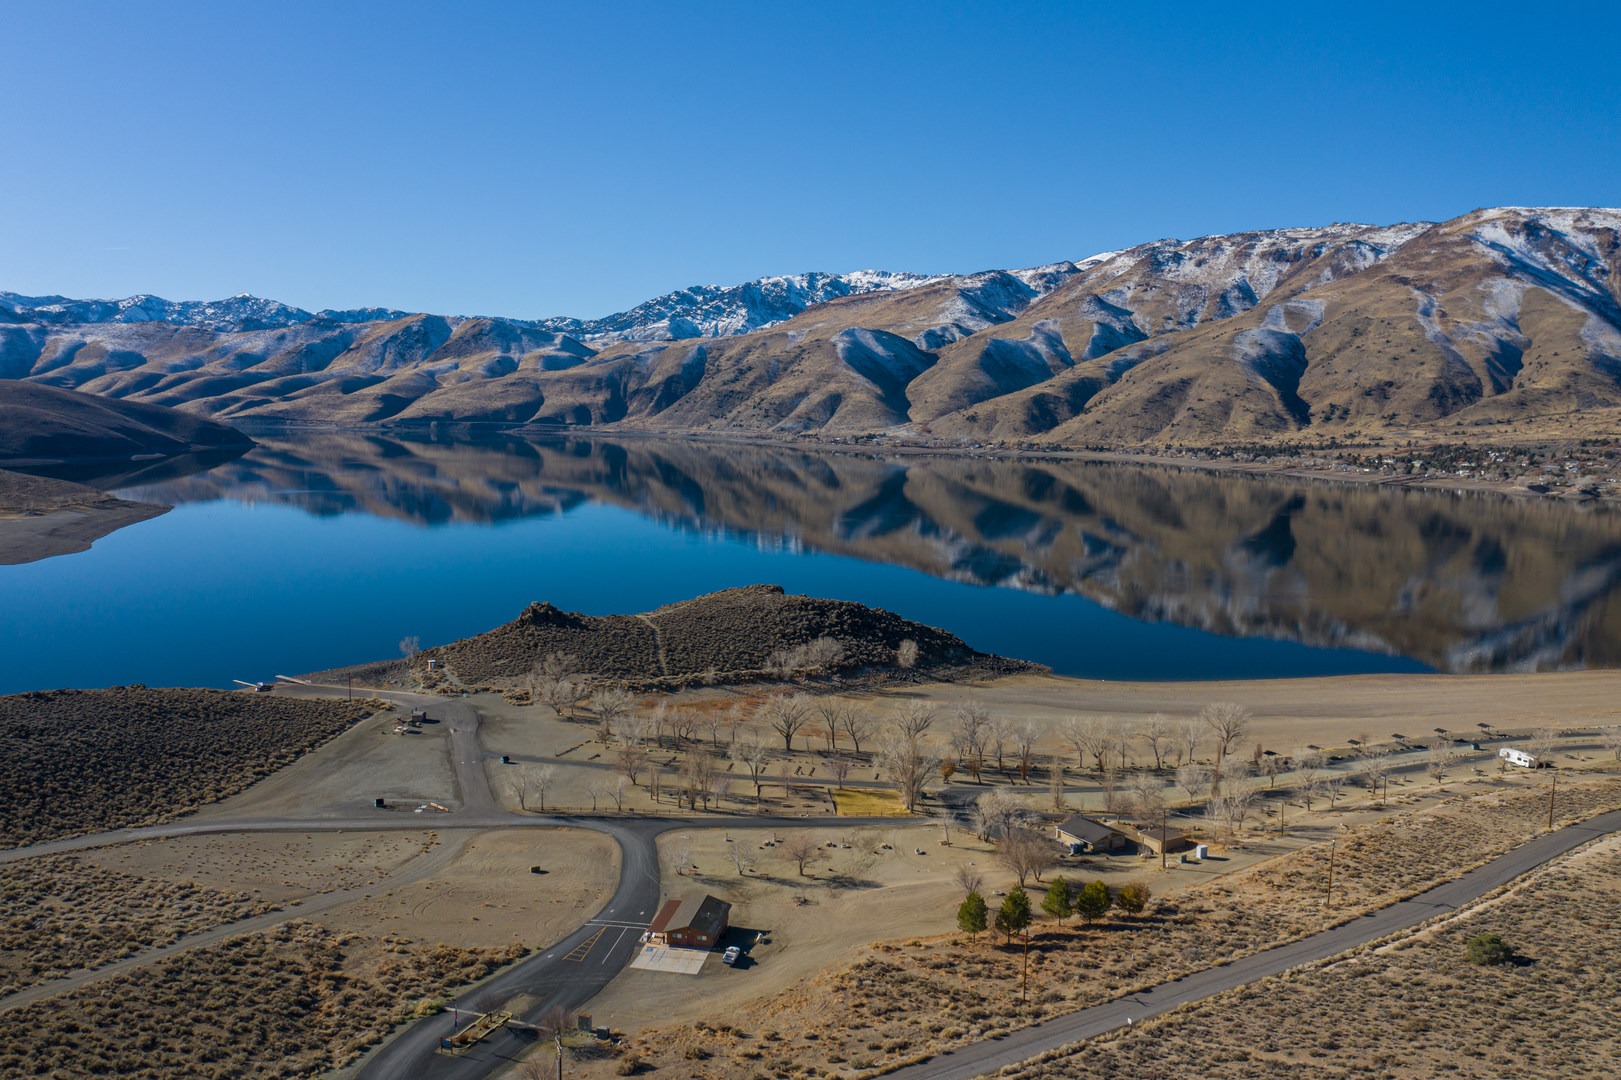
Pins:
x: 1552, y: 787
x: 1328, y: 900
x: 1162, y: 838
x: 1024, y: 989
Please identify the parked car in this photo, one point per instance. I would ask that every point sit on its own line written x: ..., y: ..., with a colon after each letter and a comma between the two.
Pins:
x: 731, y: 955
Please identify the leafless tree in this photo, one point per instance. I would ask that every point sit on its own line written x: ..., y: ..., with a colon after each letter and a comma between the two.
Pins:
x: 997, y: 730
x: 786, y: 715
x: 539, y: 780
x: 839, y: 766
x: 558, y: 694
x: 969, y: 880
x: 1375, y: 766
x: 1026, y: 734
x: 1027, y: 853
x: 682, y: 853
x: 913, y: 719
x: 621, y: 785
x: 410, y: 645
x: 609, y: 705
x: 1332, y: 787
x: 753, y: 755
x: 1442, y: 757
x: 1055, y: 782
x: 831, y: 711
x: 713, y: 720
x: 698, y: 771
x: 631, y: 729
x: 1156, y: 732
x: 803, y: 850
x: 632, y: 760
x: 683, y: 726
x: 1611, y: 738
x: 739, y: 854
x: 657, y: 720
x: 598, y: 790
x: 1149, y: 794
x: 1232, y: 807
x: 1542, y: 741
x: 1227, y: 723
x: 857, y: 725
x: 970, y: 727
x: 1122, y: 733
x: 995, y: 812
x: 1271, y: 765
x: 909, y: 763
x: 1088, y: 736
x: 946, y: 818
x: 1189, y: 734
x: 906, y: 654
x: 1193, y: 779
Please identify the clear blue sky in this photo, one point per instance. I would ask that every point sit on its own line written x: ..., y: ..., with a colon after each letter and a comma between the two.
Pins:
x: 540, y: 159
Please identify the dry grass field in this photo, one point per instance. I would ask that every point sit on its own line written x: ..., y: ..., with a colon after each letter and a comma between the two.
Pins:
x: 60, y: 913
x: 913, y: 997
x: 79, y: 761
x: 1415, y: 1007
x: 295, y: 1001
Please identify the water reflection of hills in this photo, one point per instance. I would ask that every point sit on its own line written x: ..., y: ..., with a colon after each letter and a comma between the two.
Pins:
x: 1464, y: 583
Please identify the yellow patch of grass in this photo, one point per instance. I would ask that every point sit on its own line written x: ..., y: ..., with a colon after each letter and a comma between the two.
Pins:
x: 862, y: 802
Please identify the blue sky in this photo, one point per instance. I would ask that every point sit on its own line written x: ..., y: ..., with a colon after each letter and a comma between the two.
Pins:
x: 539, y: 159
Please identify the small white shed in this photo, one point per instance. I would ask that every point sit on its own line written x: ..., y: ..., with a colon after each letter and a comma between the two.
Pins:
x: 1519, y: 757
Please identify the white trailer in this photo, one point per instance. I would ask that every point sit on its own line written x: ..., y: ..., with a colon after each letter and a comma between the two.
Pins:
x: 1520, y: 758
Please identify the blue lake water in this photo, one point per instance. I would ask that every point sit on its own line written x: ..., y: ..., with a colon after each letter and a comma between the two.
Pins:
x: 308, y: 554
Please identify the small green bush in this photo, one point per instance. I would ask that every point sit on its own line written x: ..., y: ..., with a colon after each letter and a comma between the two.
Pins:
x: 1488, y: 949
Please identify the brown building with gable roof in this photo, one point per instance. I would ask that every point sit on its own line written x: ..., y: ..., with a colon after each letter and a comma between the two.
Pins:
x: 693, y: 923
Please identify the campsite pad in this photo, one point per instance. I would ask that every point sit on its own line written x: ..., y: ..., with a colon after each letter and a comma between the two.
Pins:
x: 662, y: 958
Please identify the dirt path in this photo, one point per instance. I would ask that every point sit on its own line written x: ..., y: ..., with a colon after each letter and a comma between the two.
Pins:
x: 658, y: 641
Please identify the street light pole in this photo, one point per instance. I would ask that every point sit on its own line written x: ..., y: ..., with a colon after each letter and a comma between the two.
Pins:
x: 1328, y: 899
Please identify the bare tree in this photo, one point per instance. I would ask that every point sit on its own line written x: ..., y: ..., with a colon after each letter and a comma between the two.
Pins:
x: 1271, y: 765
x: 839, y: 766
x: 1193, y: 779
x: 599, y: 790
x: 1332, y: 787
x: 1189, y: 734
x: 1227, y: 723
x: 609, y: 705
x: 995, y: 812
x: 831, y: 711
x: 1611, y: 737
x: 803, y: 850
x: 632, y: 760
x: 1122, y: 733
x: 753, y: 755
x: 410, y: 645
x: 739, y: 854
x: 1442, y: 757
x: 1025, y: 736
x: 682, y: 854
x: 857, y: 725
x: 621, y: 785
x: 945, y: 817
x: 559, y: 694
x: 683, y: 726
x: 997, y: 730
x: 1231, y: 807
x: 698, y: 771
x: 909, y: 763
x: 970, y: 727
x: 1055, y: 782
x: 1375, y: 766
x: 552, y: 681
x: 1156, y: 732
x: 1027, y: 853
x: 1149, y: 794
x: 541, y: 779
x: 713, y: 720
x: 906, y: 654
x: 1088, y: 736
x: 786, y: 715
x: 1542, y: 741
x: 969, y: 880
x: 913, y: 719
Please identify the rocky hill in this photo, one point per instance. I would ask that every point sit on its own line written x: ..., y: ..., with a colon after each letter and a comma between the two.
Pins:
x: 41, y: 424
x: 1500, y: 323
x: 729, y: 636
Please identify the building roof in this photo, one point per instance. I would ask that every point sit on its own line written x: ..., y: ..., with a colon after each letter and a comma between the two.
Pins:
x: 704, y: 914
x: 1086, y: 829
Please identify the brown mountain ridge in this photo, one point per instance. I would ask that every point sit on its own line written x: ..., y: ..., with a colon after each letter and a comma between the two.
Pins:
x: 1499, y: 323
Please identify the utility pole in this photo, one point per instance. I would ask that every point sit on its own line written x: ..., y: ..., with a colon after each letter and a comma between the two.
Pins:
x: 1552, y: 787
x: 1328, y: 899
x: 1162, y: 838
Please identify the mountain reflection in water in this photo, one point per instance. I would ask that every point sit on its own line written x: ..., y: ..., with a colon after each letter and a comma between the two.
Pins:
x: 1461, y: 582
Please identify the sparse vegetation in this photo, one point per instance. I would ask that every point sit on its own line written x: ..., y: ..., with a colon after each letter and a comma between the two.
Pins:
x: 78, y: 761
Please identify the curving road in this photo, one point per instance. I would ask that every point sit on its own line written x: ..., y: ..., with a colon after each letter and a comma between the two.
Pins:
x: 979, y: 1058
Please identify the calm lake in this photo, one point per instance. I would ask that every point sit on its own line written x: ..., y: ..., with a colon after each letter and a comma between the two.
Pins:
x: 320, y: 549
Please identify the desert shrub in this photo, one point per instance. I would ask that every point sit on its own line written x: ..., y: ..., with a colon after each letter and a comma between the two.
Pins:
x: 1133, y: 897
x: 79, y: 761
x: 1487, y: 949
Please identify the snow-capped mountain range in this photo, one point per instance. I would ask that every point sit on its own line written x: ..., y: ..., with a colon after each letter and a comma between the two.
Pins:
x: 1508, y: 316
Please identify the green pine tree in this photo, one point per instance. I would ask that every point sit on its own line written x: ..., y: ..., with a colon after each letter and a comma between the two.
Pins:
x: 1060, y: 901
x: 1092, y: 901
x: 1014, y: 914
x: 972, y: 914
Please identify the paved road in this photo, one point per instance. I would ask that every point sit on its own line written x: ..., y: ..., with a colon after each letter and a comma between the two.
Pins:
x: 979, y: 1058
